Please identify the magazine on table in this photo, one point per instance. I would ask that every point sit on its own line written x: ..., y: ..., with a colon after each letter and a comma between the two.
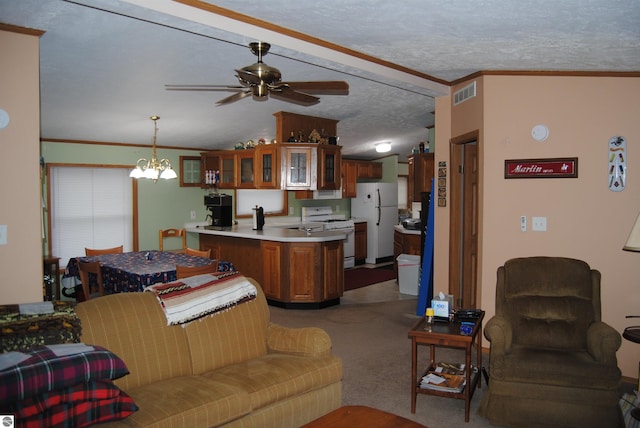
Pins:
x: 447, y: 377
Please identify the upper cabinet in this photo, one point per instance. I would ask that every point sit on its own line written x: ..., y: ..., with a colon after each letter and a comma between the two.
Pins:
x: 301, y: 126
x: 267, y: 162
x: 297, y: 165
x: 309, y: 163
x: 329, y: 161
x: 354, y: 170
x: 421, y: 173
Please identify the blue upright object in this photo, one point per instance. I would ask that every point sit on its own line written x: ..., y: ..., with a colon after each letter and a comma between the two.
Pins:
x: 425, y: 289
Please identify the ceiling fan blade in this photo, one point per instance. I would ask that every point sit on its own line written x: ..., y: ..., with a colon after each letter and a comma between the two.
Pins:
x: 203, y: 87
x: 327, y: 87
x: 234, y: 97
x: 295, y: 97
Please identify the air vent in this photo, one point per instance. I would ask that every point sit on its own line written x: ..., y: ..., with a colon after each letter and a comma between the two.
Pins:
x: 465, y: 93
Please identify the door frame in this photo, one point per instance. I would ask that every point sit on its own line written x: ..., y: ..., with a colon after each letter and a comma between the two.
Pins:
x: 456, y: 147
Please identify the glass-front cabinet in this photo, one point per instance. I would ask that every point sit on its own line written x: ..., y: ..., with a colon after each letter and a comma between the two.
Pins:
x: 297, y: 167
x: 245, y: 167
x: 227, y: 171
x: 267, y: 167
x: 329, y: 160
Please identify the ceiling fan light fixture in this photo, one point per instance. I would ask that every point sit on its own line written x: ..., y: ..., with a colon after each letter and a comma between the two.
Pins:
x: 383, y: 147
x: 260, y: 92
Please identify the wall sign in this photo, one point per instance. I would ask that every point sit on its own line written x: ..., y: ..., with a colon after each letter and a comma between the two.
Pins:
x: 541, y: 168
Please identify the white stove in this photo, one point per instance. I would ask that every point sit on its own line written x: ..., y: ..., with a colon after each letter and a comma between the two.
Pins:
x: 331, y: 221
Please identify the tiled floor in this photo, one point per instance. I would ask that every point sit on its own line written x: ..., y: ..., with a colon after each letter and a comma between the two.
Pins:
x: 382, y: 292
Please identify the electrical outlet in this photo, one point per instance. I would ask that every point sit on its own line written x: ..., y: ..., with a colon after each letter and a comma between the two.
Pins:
x: 290, y: 210
x: 193, y: 214
x: 539, y: 224
x: 523, y: 223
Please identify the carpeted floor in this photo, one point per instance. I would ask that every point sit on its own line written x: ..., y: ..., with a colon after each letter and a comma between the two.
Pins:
x: 362, y: 276
x: 371, y: 339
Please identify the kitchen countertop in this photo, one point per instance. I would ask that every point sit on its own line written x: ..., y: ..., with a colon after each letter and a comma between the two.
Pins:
x: 401, y: 229
x: 280, y: 233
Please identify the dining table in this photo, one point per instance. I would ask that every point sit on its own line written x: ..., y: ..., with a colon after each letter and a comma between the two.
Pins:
x: 134, y: 271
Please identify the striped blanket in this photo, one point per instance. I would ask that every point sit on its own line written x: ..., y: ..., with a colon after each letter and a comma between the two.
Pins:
x: 191, y: 298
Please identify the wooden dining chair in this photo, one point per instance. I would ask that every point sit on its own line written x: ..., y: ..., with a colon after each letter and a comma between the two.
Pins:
x: 187, y: 271
x: 97, y: 252
x: 199, y: 253
x: 85, y: 269
x: 173, y: 233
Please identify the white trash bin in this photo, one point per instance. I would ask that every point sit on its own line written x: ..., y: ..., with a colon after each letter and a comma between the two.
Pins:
x: 408, y: 271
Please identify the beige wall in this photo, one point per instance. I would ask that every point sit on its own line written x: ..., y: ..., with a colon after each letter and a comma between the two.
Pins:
x: 20, y: 209
x: 585, y: 220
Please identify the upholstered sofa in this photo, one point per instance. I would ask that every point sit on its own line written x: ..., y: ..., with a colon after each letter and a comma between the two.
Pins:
x: 552, y: 361
x: 234, y: 368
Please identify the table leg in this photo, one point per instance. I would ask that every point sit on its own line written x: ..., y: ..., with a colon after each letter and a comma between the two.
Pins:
x: 467, y: 389
x: 432, y: 357
x: 414, y: 374
x: 479, y: 351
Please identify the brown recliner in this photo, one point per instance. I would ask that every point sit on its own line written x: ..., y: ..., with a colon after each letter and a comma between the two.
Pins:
x: 553, y: 361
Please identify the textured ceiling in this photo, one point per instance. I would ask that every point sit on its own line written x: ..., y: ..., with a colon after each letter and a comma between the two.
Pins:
x: 104, y: 63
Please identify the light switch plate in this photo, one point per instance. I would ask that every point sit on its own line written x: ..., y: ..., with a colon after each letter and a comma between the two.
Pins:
x: 3, y: 234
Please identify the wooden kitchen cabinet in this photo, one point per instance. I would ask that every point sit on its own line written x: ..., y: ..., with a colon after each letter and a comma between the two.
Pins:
x: 223, y: 161
x: 292, y: 274
x: 296, y: 166
x: 272, y: 261
x: 405, y: 243
x: 421, y: 172
x: 369, y: 170
x: 267, y: 163
x: 287, y: 123
x: 311, y: 167
x: 349, y: 178
x: 329, y: 162
x: 333, y: 270
x: 244, y: 164
x: 360, y: 242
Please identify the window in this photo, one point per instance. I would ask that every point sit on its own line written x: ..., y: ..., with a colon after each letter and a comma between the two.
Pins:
x: 89, y: 207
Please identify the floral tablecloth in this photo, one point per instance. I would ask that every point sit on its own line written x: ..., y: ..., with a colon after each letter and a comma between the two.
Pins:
x: 133, y: 271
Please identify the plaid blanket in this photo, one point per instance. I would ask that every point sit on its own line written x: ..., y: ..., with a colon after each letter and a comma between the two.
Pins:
x: 191, y: 298
x: 47, y: 370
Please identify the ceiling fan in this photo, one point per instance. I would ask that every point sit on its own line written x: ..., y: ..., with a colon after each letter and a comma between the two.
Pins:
x: 261, y: 81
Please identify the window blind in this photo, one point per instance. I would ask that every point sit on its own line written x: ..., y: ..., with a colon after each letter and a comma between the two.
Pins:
x: 90, y: 207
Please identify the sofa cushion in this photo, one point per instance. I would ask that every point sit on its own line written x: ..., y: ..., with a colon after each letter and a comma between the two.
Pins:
x: 133, y: 326
x: 275, y: 377
x: 188, y: 401
x: 236, y: 335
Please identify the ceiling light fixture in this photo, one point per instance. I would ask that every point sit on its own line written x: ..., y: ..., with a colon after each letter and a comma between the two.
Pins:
x: 153, y: 169
x: 383, y: 147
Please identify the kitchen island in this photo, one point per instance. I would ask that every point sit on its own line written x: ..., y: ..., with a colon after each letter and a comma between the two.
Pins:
x: 296, y: 269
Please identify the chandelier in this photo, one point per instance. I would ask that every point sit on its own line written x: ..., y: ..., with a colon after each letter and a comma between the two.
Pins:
x: 154, y: 168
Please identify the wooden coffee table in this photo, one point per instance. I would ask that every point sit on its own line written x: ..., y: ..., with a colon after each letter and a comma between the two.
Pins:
x: 362, y: 417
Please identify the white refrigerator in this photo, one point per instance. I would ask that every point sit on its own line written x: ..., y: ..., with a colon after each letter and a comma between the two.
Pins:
x: 378, y: 204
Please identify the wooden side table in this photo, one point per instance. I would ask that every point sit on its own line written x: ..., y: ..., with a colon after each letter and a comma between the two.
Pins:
x: 51, y: 267
x: 446, y: 334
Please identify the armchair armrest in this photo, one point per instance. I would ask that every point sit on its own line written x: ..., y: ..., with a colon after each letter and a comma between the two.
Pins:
x: 307, y: 341
x: 498, y: 331
x: 602, y: 343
